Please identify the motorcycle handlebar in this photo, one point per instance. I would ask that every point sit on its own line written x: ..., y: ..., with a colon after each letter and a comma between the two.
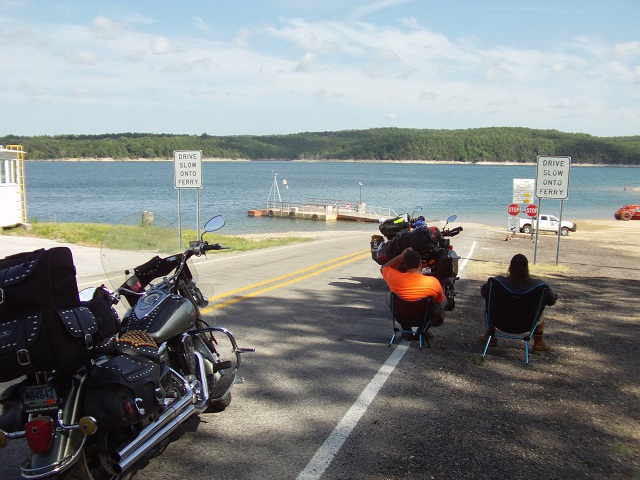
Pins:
x: 215, y: 246
x: 452, y: 233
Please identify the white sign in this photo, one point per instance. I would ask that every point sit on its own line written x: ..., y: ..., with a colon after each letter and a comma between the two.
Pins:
x: 552, y: 177
x: 188, y: 168
x: 513, y: 223
x: 523, y: 189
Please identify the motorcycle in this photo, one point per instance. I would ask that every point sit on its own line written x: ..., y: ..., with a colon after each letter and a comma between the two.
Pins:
x: 436, y: 252
x: 103, y: 391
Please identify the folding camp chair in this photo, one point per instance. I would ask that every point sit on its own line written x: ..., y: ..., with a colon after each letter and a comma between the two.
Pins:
x: 407, y: 314
x: 513, y: 315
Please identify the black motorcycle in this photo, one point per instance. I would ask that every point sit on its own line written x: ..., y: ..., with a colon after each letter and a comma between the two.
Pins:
x: 100, y: 393
x: 433, y: 244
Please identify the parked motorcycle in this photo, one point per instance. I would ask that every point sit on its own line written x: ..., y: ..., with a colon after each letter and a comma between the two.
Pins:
x: 437, y: 254
x: 99, y: 392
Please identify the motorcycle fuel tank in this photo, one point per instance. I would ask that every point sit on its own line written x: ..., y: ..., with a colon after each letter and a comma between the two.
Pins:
x: 161, y: 315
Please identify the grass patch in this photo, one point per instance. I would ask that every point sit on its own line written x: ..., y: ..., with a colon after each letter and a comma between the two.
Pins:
x: 136, y: 237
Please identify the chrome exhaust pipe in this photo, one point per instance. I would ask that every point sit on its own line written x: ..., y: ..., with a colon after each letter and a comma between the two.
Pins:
x: 165, y: 425
x: 169, y: 415
x: 152, y: 441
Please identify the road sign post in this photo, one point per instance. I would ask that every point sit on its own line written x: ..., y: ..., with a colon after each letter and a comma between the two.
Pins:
x: 552, y: 181
x: 187, y: 166
x: 512, y: 221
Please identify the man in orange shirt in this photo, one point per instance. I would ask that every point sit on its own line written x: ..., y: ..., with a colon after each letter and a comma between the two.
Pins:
x: 412, y: 284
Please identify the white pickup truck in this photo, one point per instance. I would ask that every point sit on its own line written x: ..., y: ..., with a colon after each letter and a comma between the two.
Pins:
x: 548, y: 223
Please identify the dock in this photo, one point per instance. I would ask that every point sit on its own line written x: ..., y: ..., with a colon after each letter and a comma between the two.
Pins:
x: 324, y: 210
x: 319, y: 209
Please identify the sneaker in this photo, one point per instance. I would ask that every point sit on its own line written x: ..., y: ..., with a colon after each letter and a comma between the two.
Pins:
x: 485, y: 336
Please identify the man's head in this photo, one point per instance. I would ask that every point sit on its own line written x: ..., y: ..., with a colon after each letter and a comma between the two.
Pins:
x: 411, y: 260
x: 519, y: 267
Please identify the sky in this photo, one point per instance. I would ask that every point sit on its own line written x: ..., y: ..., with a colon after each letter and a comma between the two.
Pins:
x: 260, y: 67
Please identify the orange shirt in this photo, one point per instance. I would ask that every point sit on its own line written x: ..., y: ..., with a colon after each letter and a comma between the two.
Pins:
x: 413, y: 286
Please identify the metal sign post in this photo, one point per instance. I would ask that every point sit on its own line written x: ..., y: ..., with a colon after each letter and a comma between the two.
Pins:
x: 187, y: 174
x: 552, y: 181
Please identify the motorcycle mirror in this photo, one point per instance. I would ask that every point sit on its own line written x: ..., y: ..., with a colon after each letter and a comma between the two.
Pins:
x: 452, y: 218
x: 87, y: 294
x: 216, y: 223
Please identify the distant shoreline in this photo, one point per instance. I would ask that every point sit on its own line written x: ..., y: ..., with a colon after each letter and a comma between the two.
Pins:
x: 425, y: 162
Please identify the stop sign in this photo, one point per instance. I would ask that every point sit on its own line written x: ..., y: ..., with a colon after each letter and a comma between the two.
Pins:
x: 532, y: 210
x: 513, y: 209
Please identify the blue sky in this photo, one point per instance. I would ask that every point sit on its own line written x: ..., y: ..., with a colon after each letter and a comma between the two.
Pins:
x: 234, y: 67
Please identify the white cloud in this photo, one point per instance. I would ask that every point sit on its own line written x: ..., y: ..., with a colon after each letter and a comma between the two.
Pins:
x: 160, y: 46
x: 501, y: 101
x: 294, y: 64
x: 104, y: 28
x: 201, y: 24
x: 629, y: 49
x: 82, y: 57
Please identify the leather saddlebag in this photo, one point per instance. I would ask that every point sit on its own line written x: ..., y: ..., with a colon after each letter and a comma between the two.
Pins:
x: 122, y: 391
x: 42, y: 325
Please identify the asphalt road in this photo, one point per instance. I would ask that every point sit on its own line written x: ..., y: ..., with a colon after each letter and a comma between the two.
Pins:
x: 316, y: 315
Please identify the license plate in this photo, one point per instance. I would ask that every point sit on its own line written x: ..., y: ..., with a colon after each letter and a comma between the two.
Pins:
x: 39, y: 398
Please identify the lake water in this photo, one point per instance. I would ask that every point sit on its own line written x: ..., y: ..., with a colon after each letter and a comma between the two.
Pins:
x: 105, y: 192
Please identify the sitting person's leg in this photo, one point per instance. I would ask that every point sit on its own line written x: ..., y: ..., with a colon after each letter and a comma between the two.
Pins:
x: 437, y: 317
x: 538, y: 341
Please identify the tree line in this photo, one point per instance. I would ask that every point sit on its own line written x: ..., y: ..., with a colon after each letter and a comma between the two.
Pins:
x: 495, y: 144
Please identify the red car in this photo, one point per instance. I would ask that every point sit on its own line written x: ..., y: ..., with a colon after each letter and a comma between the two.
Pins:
x: 628, y: 212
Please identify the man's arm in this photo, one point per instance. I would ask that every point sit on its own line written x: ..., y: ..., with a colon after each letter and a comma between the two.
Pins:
x: 396, y: 261
x: 551, y: 296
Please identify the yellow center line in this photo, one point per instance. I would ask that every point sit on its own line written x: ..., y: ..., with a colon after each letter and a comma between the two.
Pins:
x: 352, y: 257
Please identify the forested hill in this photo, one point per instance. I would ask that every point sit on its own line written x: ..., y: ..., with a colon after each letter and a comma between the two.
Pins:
x: 499, y: 144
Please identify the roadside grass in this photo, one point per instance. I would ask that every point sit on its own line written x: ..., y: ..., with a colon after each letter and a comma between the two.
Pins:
x: 93, y: 235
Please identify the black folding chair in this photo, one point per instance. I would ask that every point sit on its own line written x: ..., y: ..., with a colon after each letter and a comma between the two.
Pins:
x: 513, y: 315
x: 407, y: 315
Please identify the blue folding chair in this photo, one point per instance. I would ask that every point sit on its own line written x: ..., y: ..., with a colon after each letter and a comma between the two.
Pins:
x: 513, y: 315
x: 407, y: 315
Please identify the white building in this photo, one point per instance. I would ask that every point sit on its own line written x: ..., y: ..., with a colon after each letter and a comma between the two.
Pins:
x: 13, y: 198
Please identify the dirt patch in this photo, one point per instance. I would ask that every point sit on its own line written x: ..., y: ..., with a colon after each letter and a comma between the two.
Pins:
x: 575, y: 411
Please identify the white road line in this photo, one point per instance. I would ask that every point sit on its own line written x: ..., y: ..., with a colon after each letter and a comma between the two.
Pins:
x: 326, y: 453
x: 332, y: 444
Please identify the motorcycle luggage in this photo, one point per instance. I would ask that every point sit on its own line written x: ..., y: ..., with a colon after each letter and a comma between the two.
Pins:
x: 447, y: 265
x: 386, y: 251
x: 42, y: 325
x: 390, y: 228
x: 122, y: 391
x: 421, y: 239
x: 376, y: 241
